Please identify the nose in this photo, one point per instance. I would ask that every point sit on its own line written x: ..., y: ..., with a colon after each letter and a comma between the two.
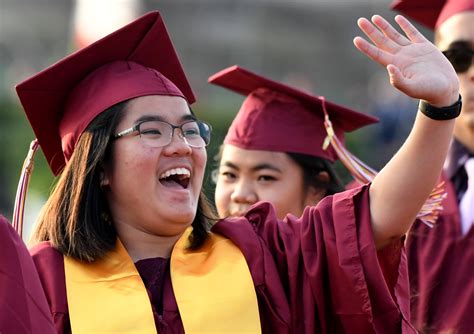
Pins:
x: 178, y: 145
x: 244, y: 193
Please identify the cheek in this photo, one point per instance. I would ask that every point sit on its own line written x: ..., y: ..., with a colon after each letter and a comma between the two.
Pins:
x: 133, y: 163
x: 281, y: 197
x: 200, y: 159
x: 202, y: 156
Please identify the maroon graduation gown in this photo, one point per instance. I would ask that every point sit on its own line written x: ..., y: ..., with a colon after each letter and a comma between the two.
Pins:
x: 316, y: 274
x: 441, y: 267
x: 23, y: 306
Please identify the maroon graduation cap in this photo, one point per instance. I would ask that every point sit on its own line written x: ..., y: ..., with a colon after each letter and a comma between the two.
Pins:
x: 277, y: 117
x: 136, y: 60
x: 432, y: 13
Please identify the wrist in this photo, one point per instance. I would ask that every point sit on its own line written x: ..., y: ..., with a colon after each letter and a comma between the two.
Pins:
x: 445, y: 100
x: 441, y: 113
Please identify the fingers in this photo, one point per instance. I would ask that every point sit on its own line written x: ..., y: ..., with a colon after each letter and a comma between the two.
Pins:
x: 412, y: 33
x: 389, y: 31
x: 372, y: 51
x: 379, y: 39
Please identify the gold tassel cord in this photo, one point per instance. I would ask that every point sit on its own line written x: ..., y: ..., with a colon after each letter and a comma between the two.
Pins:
x: 362, y: 173
x: 20, y: 198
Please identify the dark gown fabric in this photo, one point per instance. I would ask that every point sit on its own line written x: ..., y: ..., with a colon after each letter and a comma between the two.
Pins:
x: 319, y: 273
x: 441, y: 267
x: 23, y: 306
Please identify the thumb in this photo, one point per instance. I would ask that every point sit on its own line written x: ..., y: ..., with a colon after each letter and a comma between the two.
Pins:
x: 397, y: 79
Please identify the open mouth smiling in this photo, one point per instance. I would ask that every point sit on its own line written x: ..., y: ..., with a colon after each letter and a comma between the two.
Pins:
x: 176, y: 177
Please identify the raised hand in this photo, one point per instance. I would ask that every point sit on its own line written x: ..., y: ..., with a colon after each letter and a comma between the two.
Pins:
x: 415, y: 66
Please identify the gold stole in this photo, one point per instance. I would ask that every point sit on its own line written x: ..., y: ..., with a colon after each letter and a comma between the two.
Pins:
x: 212, y: 285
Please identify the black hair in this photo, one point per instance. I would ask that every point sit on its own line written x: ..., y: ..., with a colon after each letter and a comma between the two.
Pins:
x: 312, y: 166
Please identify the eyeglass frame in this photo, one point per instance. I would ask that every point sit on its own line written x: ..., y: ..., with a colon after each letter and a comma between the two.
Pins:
x: 135, y: 129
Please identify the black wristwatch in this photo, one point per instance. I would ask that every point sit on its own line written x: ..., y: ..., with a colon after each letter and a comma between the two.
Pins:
x: 441, y: 114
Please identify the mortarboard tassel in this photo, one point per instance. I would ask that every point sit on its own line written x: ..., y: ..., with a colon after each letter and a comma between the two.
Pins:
x: 362, y: 173
x: 20, y: 198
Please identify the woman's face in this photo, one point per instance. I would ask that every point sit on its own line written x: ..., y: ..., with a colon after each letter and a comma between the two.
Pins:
x: 247, y: 176
x: 141, y: 190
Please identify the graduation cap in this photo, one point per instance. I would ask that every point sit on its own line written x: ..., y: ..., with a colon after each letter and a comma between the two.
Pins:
x: 277, y: 117
x: 62, y: 100
x: 136, y: 60
x: 432, y: 13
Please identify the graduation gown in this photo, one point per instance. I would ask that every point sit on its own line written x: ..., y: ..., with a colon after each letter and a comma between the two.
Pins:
x: 319, y: 273
x: 441, y: 267
x: 23, y: 306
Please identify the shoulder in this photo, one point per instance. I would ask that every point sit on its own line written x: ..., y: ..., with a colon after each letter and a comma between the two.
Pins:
x: 346, y: 204
x: 49, y: 262
x: 44, y: 251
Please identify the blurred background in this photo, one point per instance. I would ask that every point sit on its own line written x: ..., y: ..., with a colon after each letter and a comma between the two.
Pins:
x: 305, y: 43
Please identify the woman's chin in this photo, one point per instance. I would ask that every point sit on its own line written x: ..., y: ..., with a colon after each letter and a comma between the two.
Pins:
x: 182, y: 219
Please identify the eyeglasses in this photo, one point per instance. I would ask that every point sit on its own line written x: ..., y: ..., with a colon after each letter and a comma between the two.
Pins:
x: 460, y: 58
x: 195, y: 133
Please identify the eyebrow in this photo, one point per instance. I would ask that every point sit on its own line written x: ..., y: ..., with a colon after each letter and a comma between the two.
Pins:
x: 255, y: 168
x: 145, y: 118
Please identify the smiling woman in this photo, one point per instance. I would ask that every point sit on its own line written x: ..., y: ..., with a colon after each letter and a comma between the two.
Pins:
x: 124, y: 244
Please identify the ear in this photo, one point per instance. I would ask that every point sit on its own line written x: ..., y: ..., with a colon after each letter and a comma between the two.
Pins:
x: 314, y: 194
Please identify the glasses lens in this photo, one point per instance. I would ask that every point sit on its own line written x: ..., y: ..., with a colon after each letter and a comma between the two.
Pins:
x: 459, y: 58
x: 155, y: 133
x: 197, y: 133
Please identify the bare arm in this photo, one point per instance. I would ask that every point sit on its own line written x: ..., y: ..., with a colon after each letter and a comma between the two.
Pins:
x: 418, y: 69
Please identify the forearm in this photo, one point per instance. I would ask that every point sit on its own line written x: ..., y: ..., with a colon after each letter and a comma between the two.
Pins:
x: 418, y: 69
x: 401, y: 188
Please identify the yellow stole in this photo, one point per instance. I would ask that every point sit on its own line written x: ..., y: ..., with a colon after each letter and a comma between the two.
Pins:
x: 213, y: 289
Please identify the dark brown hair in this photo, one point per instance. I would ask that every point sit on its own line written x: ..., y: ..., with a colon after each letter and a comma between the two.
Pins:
x: 76, y: 218
x: 311, y: 167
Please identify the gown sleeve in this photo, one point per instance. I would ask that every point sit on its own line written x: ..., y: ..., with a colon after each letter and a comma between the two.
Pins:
x: 23, y: 306
x: 50, y: 265
x: 327, y: 264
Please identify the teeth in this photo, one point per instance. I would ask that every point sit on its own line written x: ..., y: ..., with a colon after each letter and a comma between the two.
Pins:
x: 176, y: 171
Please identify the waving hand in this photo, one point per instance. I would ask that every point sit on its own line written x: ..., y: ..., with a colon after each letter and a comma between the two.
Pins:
x: 415, y: 66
